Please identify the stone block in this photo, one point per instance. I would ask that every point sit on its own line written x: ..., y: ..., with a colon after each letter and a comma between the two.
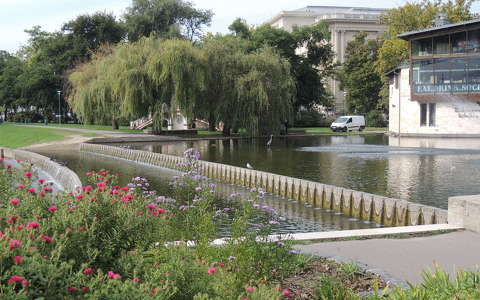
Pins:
x: 328, y: 196
x: 428, y: 215
x: 401, y: 215
x: 289, y: 189
x: 347, y: 202
x: 464, y: 211
x: 303, y: 191
x: 319, y: 194
x: 414, y: 214
x: 389, y: 211
x: 276, y: 184
x: 357, y: 203
x: 296, y: 189
x: 337, y: 199
x: 378, y: 209
x: 367, y: 207
x: 311, y: 193
x: 441, y: 216
x: 283, y: 186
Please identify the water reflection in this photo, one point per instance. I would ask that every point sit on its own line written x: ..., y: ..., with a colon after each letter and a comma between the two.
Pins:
x: 424, y: 170
x: 297, y: 217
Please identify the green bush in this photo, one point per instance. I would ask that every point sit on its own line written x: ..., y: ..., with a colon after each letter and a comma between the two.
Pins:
x: 112, y: 242
x: 375, y: 118
x: 308, y: 119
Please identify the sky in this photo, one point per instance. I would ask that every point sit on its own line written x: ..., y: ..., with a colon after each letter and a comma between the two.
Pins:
x: 18, y: 15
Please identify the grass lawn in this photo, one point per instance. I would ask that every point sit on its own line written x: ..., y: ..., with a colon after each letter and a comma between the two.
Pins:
x: 326, y: 130
x: 12, y: 136
x: 92, y: 127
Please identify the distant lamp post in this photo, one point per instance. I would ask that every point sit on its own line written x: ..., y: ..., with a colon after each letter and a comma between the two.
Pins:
x: 59, y: 93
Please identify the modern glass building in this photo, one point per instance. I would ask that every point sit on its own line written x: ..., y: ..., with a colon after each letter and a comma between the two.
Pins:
x: 439, y: 91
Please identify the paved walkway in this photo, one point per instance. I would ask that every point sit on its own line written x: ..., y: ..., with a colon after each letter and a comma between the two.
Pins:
x: 405, y: 259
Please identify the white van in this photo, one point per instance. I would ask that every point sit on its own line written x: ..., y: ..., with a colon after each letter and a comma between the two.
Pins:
x: 348, y: 123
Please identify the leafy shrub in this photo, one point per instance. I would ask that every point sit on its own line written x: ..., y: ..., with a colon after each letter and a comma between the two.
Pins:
x: 375, y: 118
x: 113, y: 242
x: 308, y: 119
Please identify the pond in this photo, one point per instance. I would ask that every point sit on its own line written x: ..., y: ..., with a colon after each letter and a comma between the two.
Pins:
x: 421, y: 170
x: 295, y: 216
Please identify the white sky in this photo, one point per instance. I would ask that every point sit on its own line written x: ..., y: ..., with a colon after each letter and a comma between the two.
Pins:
x: 18, y: 15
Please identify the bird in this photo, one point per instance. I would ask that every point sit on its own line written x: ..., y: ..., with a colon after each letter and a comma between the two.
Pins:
x: 249, y: 166
x: 270, y: 140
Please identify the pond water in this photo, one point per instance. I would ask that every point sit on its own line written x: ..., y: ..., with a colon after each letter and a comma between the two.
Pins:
x: 295, y: 216
x: 422, y: 170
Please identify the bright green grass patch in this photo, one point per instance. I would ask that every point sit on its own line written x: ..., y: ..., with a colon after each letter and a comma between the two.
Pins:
x: 12, y: 136
x: 206, y: 132
x: 90, y: 127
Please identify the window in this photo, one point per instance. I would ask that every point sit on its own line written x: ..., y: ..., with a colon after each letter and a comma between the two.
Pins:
x: 441, y: 67
x: 422, y: 47
x: 423, y: 114
x: 423, y: 77
x: 473, y: 45
x: 474, y: 74
x: 459, y: 42
x: 459, y: 67
x: 349, y: 120
x: 431, y: 114
x: 441, y: 44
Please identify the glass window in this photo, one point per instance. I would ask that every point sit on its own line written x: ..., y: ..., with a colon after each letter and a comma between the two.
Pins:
x: 423, y: 114
x: 441, y: 44
x: 423, y: 76
x: 473, y: 45
x: 422, y: 47
x: 459, y: 42
x: 474, y: 74
x: 441, y: 67
x: 431, y: 114
x: 459, y: 75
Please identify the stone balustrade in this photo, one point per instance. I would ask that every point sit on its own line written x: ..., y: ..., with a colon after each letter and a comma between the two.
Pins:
x: 63, y: 176
x: 379, y: 209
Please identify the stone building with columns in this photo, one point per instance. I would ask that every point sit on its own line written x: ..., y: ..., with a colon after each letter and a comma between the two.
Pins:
x: 344, y: 23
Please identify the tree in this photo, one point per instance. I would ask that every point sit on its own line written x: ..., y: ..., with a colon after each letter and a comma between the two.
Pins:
x: 240, y: 28
x: 165, y: 18
x: 358, y: 76
x: 10, y: 69
x: 310, y: 67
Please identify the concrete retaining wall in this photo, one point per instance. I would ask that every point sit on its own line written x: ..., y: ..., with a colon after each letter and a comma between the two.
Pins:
x: 382, y: 210
x: 66, y: 178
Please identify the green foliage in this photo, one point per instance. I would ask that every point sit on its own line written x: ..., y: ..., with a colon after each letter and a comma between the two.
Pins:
x: 374, y: 118
x: 310, y: 67
x: 309, y: 119
x: 166, y: 19
x: 358, y: 76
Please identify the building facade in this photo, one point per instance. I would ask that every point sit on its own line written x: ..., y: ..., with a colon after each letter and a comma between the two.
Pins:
x: 438, y: 92
x: 344, y: 23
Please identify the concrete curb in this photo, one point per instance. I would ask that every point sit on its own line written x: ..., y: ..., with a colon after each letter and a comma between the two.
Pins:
x: 66, y: 178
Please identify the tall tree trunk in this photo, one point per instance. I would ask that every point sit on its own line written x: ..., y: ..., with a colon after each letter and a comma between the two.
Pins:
x: 211, y: 122
x: 115, y: 124
x: 226, y: 129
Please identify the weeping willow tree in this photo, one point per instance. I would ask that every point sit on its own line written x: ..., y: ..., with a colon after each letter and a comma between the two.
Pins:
x: 218, y: 80
x: 264, y: 93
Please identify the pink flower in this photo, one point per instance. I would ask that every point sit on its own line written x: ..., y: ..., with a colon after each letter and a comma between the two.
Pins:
x: 25, y: 283
x: 101, y: 184
x: 136, y: 279
x: 72, y: 289
x: 14, y: 202
x: 47, y: 189
x: 28, y: 174
x: 286, y: 292
x: 52, y: 208
x: 211, y: 271
x: 12, y: 220
x: 46, y: 238
x: 116, y: 187
x: 14, y: 244
x: 85, y: 289
x: 33, y: 225
x: 21, y: 186
x: 79, y: 197
x: 88, y: 271
x: 151, y: 206
x: 41, y: 181
x: 15, y: 278
x: 41, y: 194
x: 249, y: 289
x: 115, y: 192
x: 18, y: 259
x: 89, y: 174
x: 124, y: 189
x: 113, y: 275
x: 9, y: 166
x: 87, y: 188
x: 31, y: 190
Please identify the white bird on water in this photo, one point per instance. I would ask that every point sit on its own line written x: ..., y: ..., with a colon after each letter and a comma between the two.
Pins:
x: 270, y: 140
x: 249, y: 166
